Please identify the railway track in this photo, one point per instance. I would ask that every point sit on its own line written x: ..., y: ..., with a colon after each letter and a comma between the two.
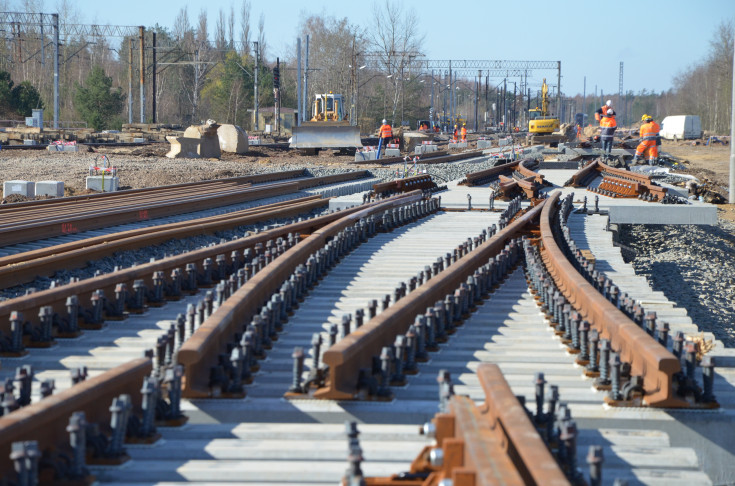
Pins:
x: 243, y: 365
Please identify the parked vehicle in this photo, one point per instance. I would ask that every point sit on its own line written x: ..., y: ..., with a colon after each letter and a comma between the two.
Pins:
x: 681, y: 127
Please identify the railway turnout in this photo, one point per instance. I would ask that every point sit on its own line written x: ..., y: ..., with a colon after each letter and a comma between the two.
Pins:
x: 310, y: 351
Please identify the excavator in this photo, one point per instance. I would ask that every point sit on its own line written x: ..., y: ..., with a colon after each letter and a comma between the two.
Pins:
x: 540, y: 121
x: 328, y: 127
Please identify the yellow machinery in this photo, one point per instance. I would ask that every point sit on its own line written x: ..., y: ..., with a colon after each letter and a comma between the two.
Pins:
x: 328, y: 127
x: 540, y: 121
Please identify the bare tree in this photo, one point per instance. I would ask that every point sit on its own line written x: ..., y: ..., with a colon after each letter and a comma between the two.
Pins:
x: 245, y: 26
x: 396, y: 42
x: 261, y: 36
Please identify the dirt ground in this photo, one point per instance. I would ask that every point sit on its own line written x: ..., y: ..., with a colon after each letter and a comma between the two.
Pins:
x: 709, y: 164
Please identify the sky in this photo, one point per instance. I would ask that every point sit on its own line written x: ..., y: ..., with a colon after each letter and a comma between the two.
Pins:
x: 656, y: 40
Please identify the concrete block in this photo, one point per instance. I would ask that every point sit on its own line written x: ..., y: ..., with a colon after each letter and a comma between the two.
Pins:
x: 502, y: 142
x: 139, y: 140
x: 71, y: 148
x: 207, y: 133
x: 50, y: 188
x: 29, y: 142
x: 655, y: 213
x: 232, y: 139
x: 458, y: 145
x: 370, y: 155
x: 24, y: 188
x: 183, y: 148
x: 425, y: 149
x: 391, y: 152
x: 55, y: 148
x: 95, y: 183
x: 484, y: 144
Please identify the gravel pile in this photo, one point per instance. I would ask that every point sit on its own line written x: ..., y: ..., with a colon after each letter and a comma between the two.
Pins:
x: 693, y: 266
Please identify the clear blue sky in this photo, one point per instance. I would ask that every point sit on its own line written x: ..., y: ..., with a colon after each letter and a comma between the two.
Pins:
x: 655, y: 39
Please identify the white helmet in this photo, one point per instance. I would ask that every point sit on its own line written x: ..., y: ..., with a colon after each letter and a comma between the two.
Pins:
x: 609, y: 112
x: 609, y: 103
x: 384, y: 121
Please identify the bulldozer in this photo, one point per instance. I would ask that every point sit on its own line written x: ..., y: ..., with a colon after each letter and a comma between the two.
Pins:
x: 328, y: 127
x: 540, y: 121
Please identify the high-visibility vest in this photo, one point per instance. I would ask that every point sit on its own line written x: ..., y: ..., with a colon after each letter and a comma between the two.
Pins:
x: 385, y: 131
x: 464, y: 132
x: 649, y: 131
x: 607, y: 126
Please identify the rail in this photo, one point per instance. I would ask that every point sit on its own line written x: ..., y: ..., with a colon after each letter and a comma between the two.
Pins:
x: 647, y: 358
x: 619, y: 182
x: 27, y: 266
x: 491, y: 443
x: 153, y: 282
x: 354, y: 352
x: 46, y: 420
x: 408, y: 184
x: 200, y: 352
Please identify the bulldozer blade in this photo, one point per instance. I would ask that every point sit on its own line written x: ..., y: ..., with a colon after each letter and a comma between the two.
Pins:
x: 325, y: 136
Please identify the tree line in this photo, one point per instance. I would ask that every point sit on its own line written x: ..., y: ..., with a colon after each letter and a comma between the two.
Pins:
x: 207, y: 73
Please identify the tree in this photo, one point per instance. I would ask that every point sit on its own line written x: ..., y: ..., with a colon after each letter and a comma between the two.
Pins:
x: 6, y: 92
x: 25, y: 98
x: 97, y: 102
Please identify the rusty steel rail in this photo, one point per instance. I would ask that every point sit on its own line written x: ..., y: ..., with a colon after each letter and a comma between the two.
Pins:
x: 230, y: 253
x: 25, y: 267
x: 484, y: 176
x: 508, y: 186
x: 408, y: 184
x: 18, y: 227
x: 200, y: 352
x: 251, y: 179
x: 647, y: 358
x: 356, y: 350
x: 527, y: 172
x: 641, y: 183
x: 491, y: 443
x: 46, y: 420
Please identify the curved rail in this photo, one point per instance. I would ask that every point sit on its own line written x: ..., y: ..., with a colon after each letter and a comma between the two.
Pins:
x: 356, y: 350
x: 200, y: 352
x: 647, y: 358
x: 157, y: 276
x: 404, y: 185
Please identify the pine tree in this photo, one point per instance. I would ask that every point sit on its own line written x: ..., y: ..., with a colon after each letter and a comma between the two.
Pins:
x: 97, y: 102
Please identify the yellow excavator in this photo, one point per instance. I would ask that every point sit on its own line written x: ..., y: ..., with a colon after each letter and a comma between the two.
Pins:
x: 540, y: 120
x: 328, y: 128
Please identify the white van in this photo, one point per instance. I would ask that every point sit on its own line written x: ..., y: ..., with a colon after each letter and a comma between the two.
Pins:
x: 681, y: 127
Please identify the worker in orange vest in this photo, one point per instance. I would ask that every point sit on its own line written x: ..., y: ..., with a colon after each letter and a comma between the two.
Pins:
x: 386, y: 132
x: 603, y: 110
x: 607, y: 132
x: 456, y: 133
x: 649, y: 140
x: 464, y: 132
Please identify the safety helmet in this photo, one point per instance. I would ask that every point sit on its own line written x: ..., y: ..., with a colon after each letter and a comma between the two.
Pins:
x: 464, y: 124
x: 608, y: 103
x: 384, y: 121
x: 455, y: 126
x: 646, y: 118
x: 610, y: 112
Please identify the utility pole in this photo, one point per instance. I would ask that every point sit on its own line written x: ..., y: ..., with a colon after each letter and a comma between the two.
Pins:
x: 431, y: 109
x: 299, y: 118
x: 141, y: 33
x: 477, y: 96
x: 255, y: 88
x: 505, y: 105
x: 130, y: 81
x: 732, y: 137
x: 305, y: 98
x: 153, y: 80
x: 451, y: 93
x: 584, y: 99
x: 558, y: 84
x: 277, y: 95
x: 55, y: 20
x: 514, y: 103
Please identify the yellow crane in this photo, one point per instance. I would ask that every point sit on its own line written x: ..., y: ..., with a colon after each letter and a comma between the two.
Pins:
x: 540, y: 120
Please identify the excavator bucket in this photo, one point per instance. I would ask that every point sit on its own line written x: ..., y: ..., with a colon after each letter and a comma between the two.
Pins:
x: 318, y: 135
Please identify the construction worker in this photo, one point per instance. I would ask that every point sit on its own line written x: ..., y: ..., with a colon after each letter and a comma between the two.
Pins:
x: 607, y: 131
x: 464, y: 132
x: 386, y: 132
x: 456, y: 133
x: 649, y: 138
x: 603, y: 110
